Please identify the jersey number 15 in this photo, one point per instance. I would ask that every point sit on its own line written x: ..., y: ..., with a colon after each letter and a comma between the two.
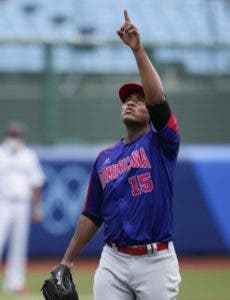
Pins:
x: 141, y: 184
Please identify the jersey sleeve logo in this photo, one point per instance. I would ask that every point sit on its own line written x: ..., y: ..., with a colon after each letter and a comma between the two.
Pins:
x: 137, y: 159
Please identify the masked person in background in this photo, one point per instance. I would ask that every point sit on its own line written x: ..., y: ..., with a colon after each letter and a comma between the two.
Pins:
x: 21, y: 179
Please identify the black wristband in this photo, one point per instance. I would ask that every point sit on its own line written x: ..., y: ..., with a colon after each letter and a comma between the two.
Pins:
x: 159, y: 114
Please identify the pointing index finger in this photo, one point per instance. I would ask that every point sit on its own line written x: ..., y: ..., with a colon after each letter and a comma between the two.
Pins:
x: 127, y: 19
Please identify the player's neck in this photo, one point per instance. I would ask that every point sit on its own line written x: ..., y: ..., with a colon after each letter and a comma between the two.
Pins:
x: 132, y: 134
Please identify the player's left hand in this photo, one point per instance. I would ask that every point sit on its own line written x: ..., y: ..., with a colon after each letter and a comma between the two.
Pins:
x: 60, y: 285
x: 129, y: 34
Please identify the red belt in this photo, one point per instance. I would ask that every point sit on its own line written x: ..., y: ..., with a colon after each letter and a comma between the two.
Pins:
x: 140, y: 249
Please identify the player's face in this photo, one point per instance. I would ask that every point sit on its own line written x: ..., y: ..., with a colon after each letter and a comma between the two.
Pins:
x: 134, y: 110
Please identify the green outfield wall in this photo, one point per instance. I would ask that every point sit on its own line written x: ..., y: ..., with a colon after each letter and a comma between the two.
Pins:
x: 67, y: 108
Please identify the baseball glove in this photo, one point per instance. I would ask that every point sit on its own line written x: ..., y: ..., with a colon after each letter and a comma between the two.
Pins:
x: 60, y: 285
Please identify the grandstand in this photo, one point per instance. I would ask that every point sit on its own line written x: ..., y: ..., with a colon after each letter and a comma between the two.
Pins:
x: 60, y: 61
x: 195, y: 33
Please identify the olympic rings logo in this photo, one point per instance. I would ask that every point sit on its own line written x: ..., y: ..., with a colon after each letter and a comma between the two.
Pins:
x: 63, y: 197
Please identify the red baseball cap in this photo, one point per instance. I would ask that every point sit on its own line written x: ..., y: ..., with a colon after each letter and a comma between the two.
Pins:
x: 127, y: 88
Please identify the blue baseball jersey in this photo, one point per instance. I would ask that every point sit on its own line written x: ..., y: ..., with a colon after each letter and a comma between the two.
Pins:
x: 130, y: 188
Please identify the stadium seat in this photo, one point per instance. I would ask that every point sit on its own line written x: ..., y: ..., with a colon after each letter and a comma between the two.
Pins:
x: 183, y: 24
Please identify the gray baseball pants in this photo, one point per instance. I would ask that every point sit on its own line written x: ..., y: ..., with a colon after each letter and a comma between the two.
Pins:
x: 122, y: 276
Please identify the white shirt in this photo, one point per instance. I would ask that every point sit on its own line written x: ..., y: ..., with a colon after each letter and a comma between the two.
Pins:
x: 19, y: 172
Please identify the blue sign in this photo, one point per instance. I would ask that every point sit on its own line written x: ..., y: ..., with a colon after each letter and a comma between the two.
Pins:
x: 201, y: 202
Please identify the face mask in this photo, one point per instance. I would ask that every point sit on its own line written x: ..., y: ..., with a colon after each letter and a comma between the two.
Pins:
x: 13, y: 144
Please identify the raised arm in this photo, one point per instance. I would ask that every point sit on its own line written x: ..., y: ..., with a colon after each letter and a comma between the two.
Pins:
x: 151, y: 82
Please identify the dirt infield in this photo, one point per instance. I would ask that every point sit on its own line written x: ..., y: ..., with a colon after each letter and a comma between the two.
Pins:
x: 209, y: 262
x: 83, y: 265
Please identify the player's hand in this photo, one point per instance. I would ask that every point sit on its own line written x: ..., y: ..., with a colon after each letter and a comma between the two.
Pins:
x: 36, y: 214
x: 129, y: 34
x: 60, y: 285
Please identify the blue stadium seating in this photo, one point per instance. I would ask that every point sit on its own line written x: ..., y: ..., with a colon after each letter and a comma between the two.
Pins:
x: 173, y: 26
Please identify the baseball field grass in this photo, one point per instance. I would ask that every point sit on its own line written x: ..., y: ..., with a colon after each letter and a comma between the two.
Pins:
x: 202, y: 281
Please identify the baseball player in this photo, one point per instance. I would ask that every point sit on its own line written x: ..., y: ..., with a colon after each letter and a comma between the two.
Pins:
x: 21, y: 178
x: 130, y: 192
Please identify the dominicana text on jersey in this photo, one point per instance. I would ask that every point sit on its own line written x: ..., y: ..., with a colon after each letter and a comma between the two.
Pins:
x: 133, y: 181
